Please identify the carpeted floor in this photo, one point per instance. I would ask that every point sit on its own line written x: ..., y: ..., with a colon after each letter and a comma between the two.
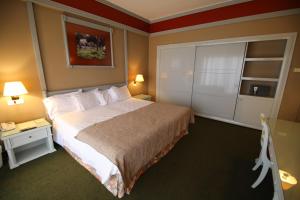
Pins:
x: 213, y: 162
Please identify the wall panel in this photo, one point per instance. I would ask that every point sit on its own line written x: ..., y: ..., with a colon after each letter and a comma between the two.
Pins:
x: 17, y: 62
x: 58, y: 75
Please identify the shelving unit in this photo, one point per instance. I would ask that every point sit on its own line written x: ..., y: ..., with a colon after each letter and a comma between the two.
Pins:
x: 259, y: 81
x: 262, y: 66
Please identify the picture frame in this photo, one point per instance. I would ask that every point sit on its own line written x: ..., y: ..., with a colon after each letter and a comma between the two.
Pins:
x: 87, y: 44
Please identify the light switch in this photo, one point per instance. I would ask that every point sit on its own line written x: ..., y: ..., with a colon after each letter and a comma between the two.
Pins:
x: 297, y: 69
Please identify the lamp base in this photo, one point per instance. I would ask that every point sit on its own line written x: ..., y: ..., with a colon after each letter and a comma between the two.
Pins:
x: 14, y: 101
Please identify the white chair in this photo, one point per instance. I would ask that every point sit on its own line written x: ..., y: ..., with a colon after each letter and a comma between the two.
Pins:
x: 263, y: 156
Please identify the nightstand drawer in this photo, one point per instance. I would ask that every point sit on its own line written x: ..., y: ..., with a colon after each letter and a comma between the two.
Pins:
x: 33, y: 135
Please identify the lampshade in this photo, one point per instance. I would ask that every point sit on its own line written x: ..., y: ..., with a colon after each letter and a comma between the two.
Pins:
x: 14, y: 89
x: 287, y: 180
x: 139, y: 78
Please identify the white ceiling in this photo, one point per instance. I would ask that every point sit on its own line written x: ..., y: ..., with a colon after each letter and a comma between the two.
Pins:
x: 157, y: 10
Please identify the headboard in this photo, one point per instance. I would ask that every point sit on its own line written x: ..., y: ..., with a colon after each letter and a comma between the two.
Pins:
x: 101, y: 87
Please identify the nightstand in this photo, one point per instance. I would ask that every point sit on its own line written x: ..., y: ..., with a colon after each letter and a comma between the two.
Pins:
x: 143, y: 96
x: 28, y: 141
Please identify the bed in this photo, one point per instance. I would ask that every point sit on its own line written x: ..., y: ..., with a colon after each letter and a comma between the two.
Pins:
x: 114, y: 144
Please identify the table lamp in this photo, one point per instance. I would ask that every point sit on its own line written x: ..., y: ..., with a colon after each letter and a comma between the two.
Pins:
x: 14, y: 90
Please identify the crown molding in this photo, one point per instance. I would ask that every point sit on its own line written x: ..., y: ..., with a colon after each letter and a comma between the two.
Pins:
x: 171, y: 22
x: 175, y: 15
x: 229, y: 21
x: 68, y: 9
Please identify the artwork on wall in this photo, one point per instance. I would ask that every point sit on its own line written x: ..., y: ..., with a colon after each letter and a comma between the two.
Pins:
x: 87, y: 44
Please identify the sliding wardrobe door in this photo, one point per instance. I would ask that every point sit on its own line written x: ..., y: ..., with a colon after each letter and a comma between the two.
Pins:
x: 175, y: 75
x: 216, y: 79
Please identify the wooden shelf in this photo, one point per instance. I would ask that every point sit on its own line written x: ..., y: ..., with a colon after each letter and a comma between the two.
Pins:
x: 265, y: 59
x: 260, y: 79
x: 258, y: 69
x: 253, y: 96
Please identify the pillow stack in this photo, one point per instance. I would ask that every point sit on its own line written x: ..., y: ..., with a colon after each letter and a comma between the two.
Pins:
x: 80, y: 101
x: 90, y: 99
x: 60, y: 104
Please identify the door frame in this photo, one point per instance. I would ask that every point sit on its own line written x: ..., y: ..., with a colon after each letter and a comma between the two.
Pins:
x: 286, y: 63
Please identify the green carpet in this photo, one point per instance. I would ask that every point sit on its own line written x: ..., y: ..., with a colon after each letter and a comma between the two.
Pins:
x: 213, y: 162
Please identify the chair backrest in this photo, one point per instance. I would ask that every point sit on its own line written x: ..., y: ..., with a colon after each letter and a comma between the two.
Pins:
x: 265, y: 135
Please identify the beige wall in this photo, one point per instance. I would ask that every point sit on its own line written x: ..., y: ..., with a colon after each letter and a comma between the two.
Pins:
x: 137, y: 62
x: 58, y: 75
x: 17, y: 60
x: 290, y: 106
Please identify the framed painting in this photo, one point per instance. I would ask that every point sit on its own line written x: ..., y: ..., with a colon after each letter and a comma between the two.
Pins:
x: 87, y: 44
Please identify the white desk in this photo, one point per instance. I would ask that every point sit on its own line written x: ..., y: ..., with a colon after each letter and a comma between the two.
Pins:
x: 284, y: 151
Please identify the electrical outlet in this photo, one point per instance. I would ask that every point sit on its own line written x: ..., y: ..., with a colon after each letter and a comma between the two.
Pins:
x: 297, y: 69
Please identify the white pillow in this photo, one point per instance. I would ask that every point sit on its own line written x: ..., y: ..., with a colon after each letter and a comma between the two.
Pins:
x: 87, y: 100
x: 119, y: 94
x: 106, y: 96
x: 100, y: 97
x: 60, y: 104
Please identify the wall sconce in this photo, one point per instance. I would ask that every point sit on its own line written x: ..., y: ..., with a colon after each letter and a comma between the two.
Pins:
x: 138, y: 78
x: 14, y: 90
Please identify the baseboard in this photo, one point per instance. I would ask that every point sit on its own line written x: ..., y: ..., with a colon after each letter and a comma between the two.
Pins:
x: 228, y: 121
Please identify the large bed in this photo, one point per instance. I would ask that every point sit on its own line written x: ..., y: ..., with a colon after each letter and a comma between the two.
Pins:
x: 116, y: 161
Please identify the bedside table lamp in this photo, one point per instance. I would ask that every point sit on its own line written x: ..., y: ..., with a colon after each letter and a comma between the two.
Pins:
x: 138, y: 78
x: 14, y: 90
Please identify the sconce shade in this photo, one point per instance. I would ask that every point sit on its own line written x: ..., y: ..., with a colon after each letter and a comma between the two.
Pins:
x: 14, y: 89
x: 139, y: 78
x: 287, y: 180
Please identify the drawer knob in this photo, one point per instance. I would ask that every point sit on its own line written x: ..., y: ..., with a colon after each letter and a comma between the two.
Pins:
x: 30, y: 136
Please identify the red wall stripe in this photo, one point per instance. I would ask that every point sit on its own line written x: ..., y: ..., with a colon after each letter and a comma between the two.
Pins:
x: 234, y: 11
x: 108, y: 12
x: 229, y: 12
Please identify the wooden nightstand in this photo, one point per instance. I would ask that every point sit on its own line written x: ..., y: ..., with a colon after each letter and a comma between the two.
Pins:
x: 143, y: 96
x: 28, y: 141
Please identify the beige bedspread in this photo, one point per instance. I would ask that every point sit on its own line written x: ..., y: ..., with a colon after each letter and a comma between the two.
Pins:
x: 133, y: 139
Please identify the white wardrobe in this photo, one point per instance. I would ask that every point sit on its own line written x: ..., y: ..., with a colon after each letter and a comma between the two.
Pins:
x: 218, y: 79
x: 176, y: 75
